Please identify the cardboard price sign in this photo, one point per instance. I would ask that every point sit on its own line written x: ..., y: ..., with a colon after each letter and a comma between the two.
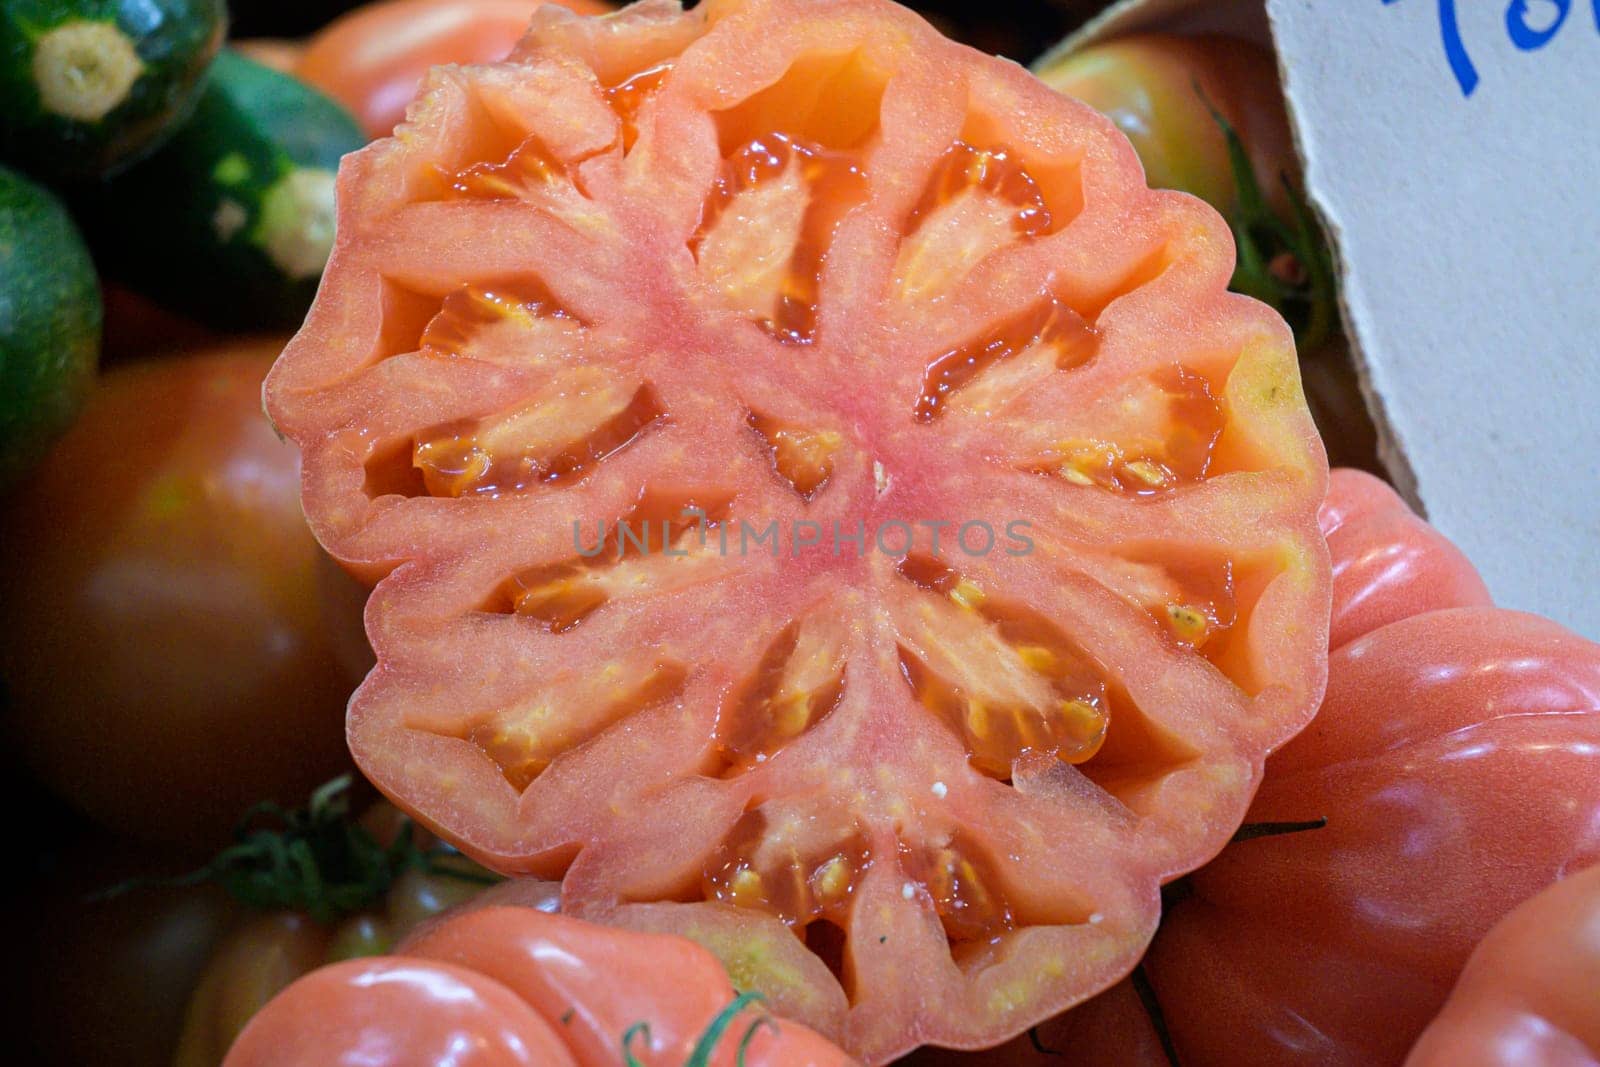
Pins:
x: 1454, y: 151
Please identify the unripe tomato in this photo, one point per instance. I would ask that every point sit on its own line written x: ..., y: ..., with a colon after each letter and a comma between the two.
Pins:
x: 1160, y: 88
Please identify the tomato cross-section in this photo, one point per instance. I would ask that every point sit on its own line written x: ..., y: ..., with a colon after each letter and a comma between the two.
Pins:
x: 824, y: 503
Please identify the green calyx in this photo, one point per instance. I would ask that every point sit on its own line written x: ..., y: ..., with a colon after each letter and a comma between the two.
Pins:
x: 1283, y: 263
x: 315, y: 860
x: 700, y: 1055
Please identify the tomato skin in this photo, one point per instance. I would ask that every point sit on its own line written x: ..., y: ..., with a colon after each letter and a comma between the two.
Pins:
x: 255, y: 962
x: 1146, y: 84
x: 177, y: 636
x: 372, y: 59
x: 1336, y: 946
x: 406, y: 1011
x: 1388, y: 563
x: 265, y: 953
x: 513, y: 892
x: 1527, y: 996
x: 610, y: 978
x: 569, y: 989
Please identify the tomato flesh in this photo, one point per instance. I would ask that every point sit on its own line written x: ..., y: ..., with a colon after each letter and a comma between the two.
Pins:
x: 824, y: 504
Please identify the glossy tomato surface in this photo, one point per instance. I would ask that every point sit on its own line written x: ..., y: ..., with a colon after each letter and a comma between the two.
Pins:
x: 1388, y: 563
x: 518, y: 986
x: 642, y: 280
x: 179, y: 646
x: 1456, y: 760
x: 398, y: 1012
x: 1530, y: 994
x: 373, y: 59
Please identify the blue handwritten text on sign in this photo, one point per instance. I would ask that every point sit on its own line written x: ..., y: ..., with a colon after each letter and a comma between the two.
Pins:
x: 1528, y: 29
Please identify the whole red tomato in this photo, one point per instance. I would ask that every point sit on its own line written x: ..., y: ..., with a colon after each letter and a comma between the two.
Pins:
x: 1456, y: 759
x: 504, y: 986
x: 372, y: 59
x: 178, y: 647
x: 1530, y: 994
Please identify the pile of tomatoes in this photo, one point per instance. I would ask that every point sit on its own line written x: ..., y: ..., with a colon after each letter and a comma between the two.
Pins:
x: 831, y: 877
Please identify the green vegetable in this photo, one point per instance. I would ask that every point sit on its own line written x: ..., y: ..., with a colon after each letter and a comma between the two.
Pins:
x: 49, y: 323
x: 92, y: 85
x: 231, y: 222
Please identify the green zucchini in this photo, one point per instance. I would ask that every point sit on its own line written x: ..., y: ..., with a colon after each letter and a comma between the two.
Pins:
x: 91, y: 85
x: 49, y: 323
x: 231, y: 222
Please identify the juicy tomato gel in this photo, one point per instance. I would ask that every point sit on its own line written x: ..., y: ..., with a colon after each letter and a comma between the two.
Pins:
x: 667, y: 378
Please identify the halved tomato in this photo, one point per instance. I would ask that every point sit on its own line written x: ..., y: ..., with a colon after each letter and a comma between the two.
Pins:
x: 825, y: 504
